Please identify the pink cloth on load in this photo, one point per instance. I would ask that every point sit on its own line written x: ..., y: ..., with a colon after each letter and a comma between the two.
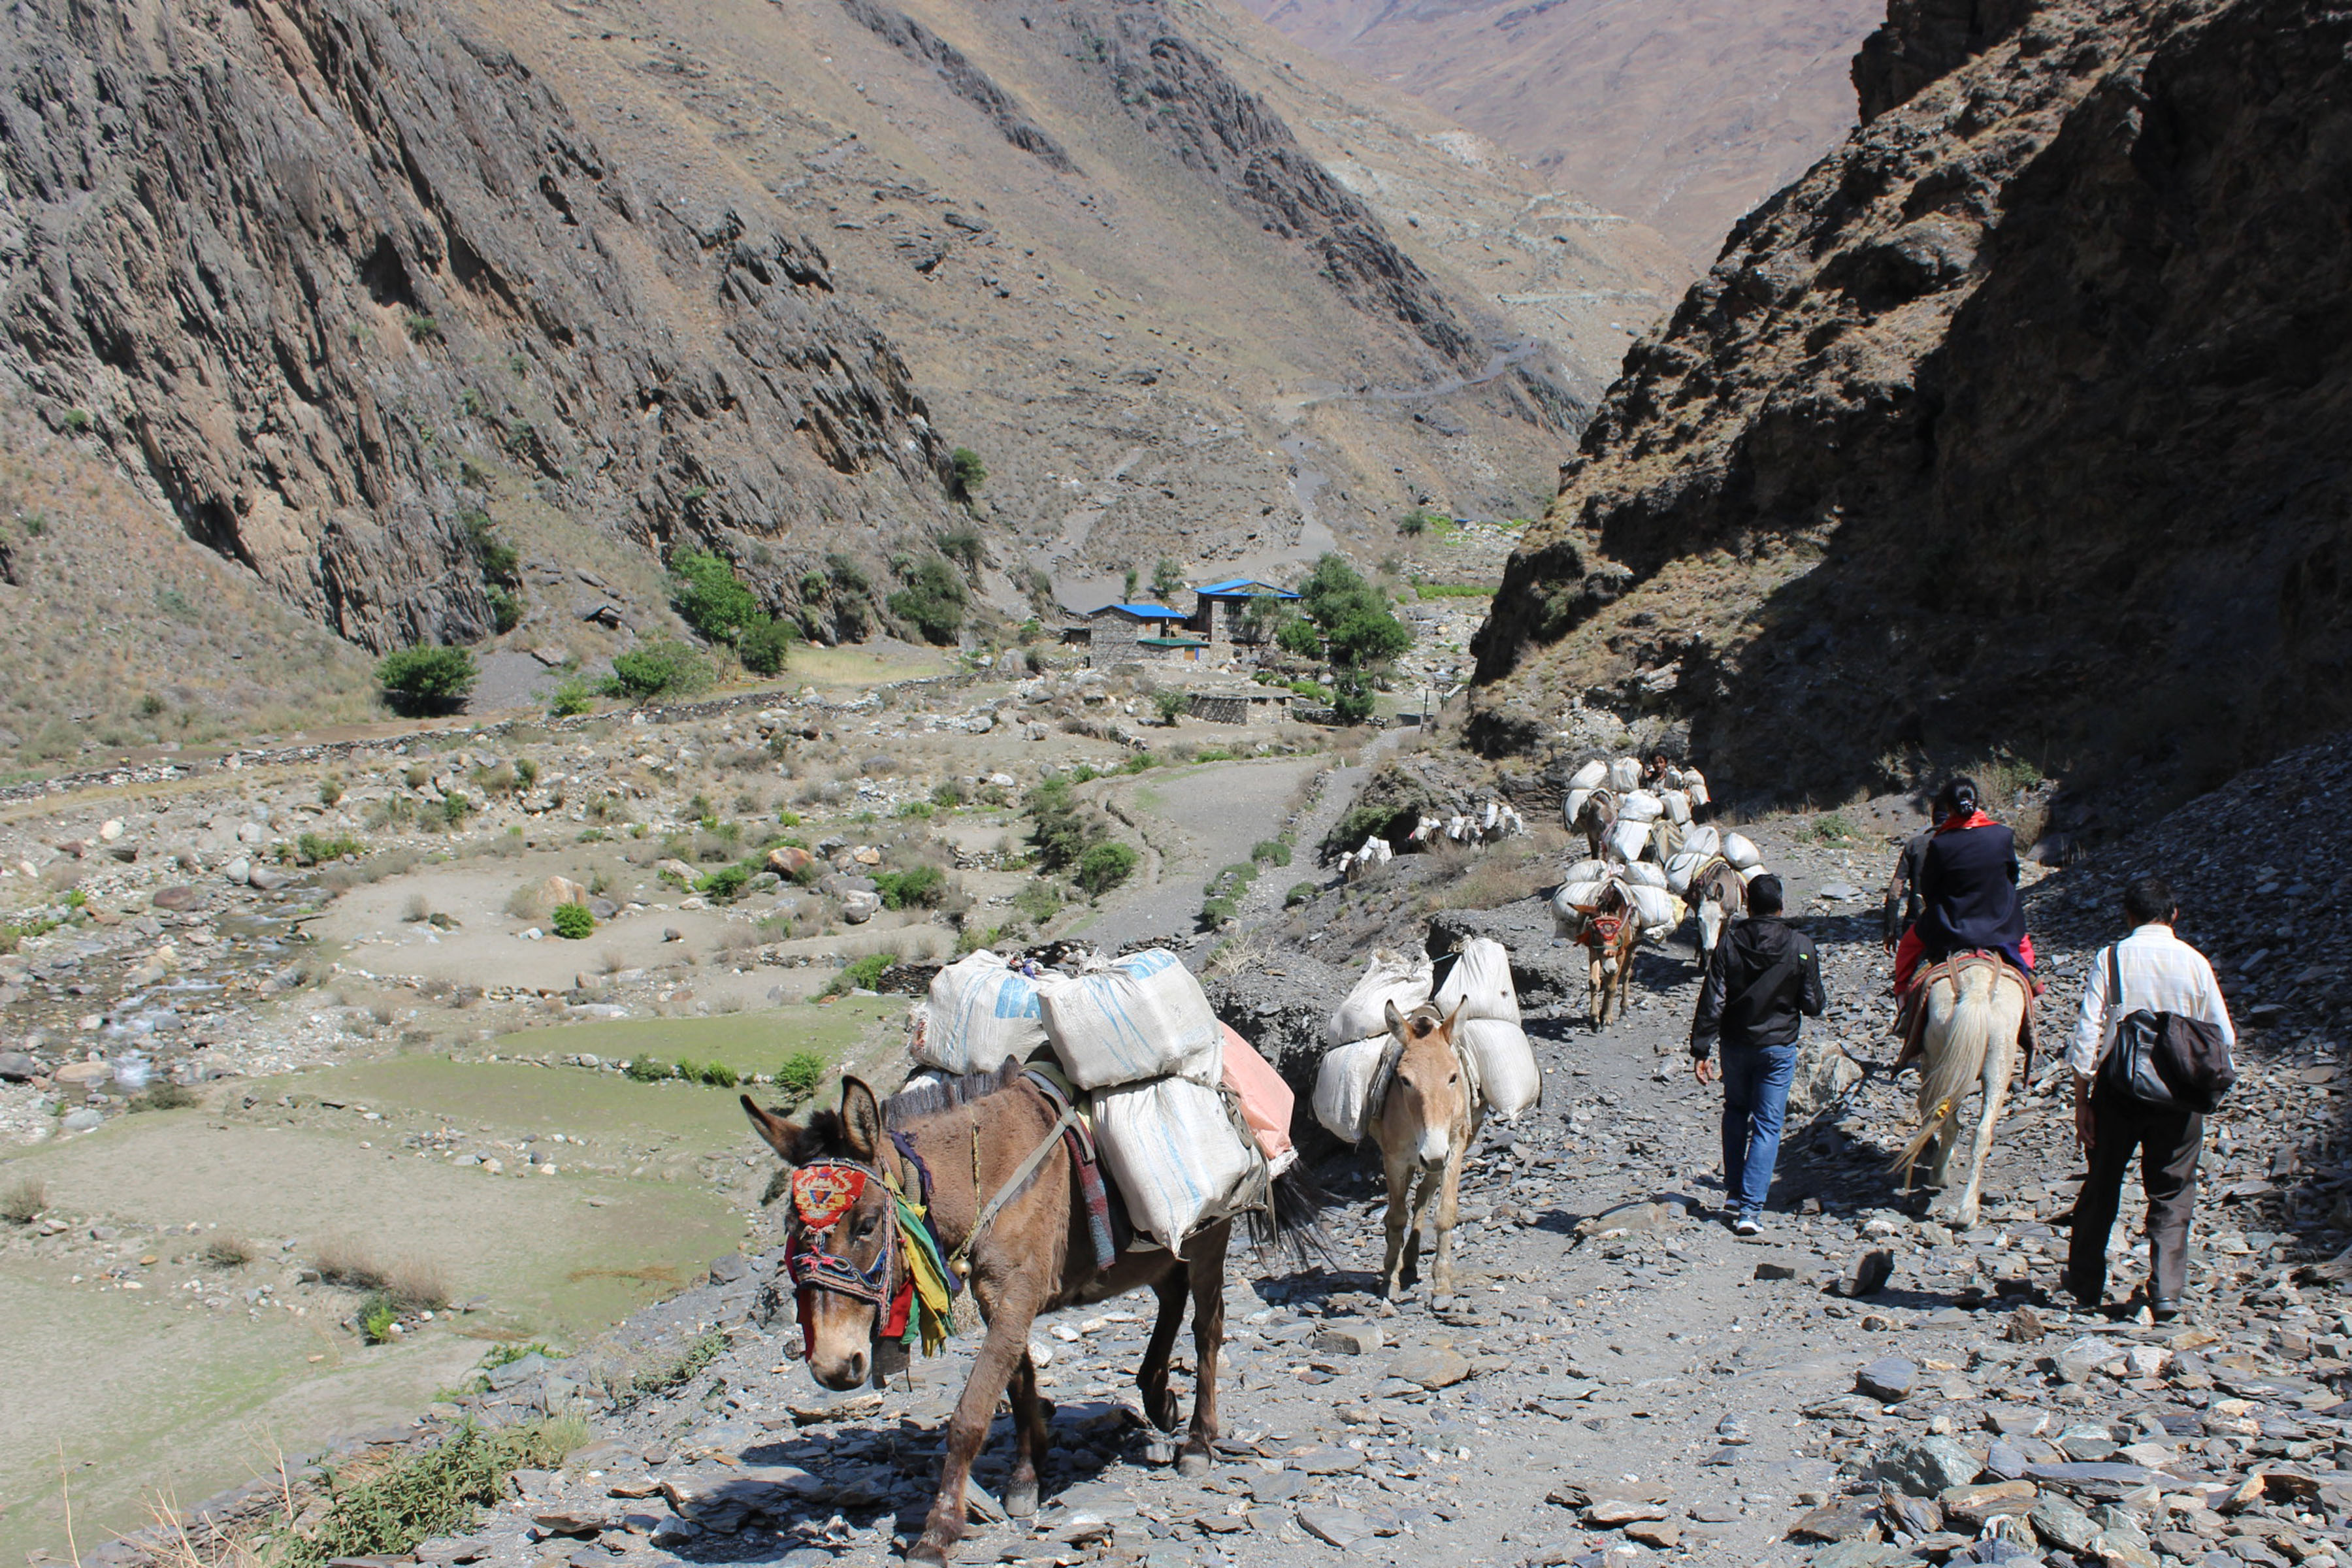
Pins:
x: 1266, y: 1099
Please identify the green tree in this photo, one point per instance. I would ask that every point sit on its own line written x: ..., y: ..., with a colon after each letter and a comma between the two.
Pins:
x: 1298, y: 637
x: 1170, y: 703
x: 1104, y: 867
x: 1059, y: 830
x: 1167, y: 581
x: 426, y: 679
x: 572, y: 922
x: 767, y: 646
x: 710, y: 597
x: 1133, y: 577
x: 933, y: 601
x: 664, y: 667
x: 969, y: 473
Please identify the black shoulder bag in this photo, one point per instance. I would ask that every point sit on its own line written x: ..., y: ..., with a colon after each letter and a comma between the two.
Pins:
x: 2162, y: 1059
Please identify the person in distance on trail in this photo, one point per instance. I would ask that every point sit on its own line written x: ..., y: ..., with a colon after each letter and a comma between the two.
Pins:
x: 1763, y: 981
x: 1900, y: 910
x: 2160, y: 973
x: 1967, y: 891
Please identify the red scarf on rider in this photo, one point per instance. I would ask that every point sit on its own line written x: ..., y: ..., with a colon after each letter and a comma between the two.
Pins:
x: 1958, y: 824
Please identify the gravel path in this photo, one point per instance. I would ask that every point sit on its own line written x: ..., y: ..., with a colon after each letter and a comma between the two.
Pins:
x: 1201, y: 820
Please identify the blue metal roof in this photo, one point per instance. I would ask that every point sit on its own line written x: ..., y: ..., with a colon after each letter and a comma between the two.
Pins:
x: 1147, y: 611
x: 1249, y: 586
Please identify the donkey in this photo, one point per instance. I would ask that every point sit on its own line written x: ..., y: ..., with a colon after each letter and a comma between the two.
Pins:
x: 1595, y: 815
x: 1426, y: 1120
x: 1716, y: 894
x: 1610, y: 933
x: 1974, y: 1005
x: 984, y: 1146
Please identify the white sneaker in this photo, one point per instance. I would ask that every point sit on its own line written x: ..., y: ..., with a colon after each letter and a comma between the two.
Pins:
x: 1744, y: 1227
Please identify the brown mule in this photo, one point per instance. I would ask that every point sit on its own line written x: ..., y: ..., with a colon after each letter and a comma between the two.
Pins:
x: 1428, y: 1117
x: 1610, y: 935
x: 1036, y: 1255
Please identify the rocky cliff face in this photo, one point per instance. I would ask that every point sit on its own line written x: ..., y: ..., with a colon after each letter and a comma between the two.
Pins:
x: 325, y: 273
x: 2017, y: 423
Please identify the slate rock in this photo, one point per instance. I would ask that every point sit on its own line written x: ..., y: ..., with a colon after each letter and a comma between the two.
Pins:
x: 1889, y: 1380
x: 1659, y: 1533
x: 1430, y: 1366
x: 1855, y: 1554
x: 1972, y: 1507
x: 1992, y: 1549
x: 1840, y: 1518
x: 2061, y: 1524
x: 177, y: 899
x: 1347, y: 1339
x: 1869, y: 1274
x: 1610, y: 1513
x: 727, y: 1270
x: 15, y: 1066
x: 1926, y: 1467
x: 2006, y: 1461
x: 2086, y: 1355
x: 2105, y: 1479
x: 1776, y: 1271
x: 1337, y: 1526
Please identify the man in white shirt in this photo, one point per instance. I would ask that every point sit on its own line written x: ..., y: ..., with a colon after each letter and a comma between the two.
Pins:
x: 2160, y: 973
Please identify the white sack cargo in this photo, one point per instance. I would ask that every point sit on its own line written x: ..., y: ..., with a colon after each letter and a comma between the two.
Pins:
x: 1178, y: 1159
x: 1749, y: 873
x: 1639, y: 806
x: 1677, y: 806
x: 1573, y: 807
x: 1665, y: 839
x: 982, y: 1013
x: 1647, y: 874
x: 1695, y: 786
x: 1680, y: 869
x: 1741, y: 852
x: 1389, y: 977
x: 1589, y: 776
x: 1142, y: 1017
x: 1587, y: 871
x: 1509, y: 1079
x: 1580, y: 895
x: 1343, y: 1086
x: 1625, y: 773
x: 1659, y: 911
x: 1480, y: 983
x: 1703, y: 841
x: 1626, y: 840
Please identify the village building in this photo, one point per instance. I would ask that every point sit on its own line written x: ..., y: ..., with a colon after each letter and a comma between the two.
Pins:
x: 1217, y: 607
x: 1117, y: 632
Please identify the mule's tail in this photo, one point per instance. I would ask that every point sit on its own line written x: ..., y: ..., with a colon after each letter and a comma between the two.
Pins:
x: 1955, y: 1061
x: 1292, y: 1222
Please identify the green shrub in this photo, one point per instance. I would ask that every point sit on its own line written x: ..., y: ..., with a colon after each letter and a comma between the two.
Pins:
x: 726, y: 884
x: 710, y: 597
x: 1831, y: 827
x: 313, y: 849
x: 700, y: 1354
x: 1453, y: 590
x: 571, y: 697
x: 1167, y: 581
x: 862, y: 974
x: 1298, y: 894
x: 439, y: 1490
x: 714, y: 1075
x: 968, y: 472
x: 1037, y: 902
x: 426, y: 679
x: 933, y: 602
x: 800, y: 1073
x: 377, y: 1314
x: 648, y: 1070
x: 506, y: 608
x: 1298, y: 636
x: 1217, y: 911
x: 1170, y: 704
x: 1353, y: 703
x: 920, y: 885
x: 1270, y: 852
x: 948, y: 795
x: 663, y: 667
x: 1104, y: 867
x: 330, y: 790
x: 571, y: 922
x: 421, y: 328
x: 766, y: 647
x: 1058, y: 830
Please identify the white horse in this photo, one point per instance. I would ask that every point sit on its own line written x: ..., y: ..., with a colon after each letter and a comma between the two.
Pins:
x: 1975, y: 1005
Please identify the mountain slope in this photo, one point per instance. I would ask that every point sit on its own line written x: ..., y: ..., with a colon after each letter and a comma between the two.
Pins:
x: 2018, y: 422
x: 1682, y: 115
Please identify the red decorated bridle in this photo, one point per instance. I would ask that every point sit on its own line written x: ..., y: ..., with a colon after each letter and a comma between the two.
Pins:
x: 823, y: 1193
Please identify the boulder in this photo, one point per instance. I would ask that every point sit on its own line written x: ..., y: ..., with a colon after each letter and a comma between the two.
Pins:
x: 2062, y: 1525
x: 16, y: 1067
x: 562, y: 890
x: 1889, y: 1380
x: 177, y: 899
x: 791, y: 860
x: 1926, y: 1467
x: 858, y: 907
x: 265, y: 878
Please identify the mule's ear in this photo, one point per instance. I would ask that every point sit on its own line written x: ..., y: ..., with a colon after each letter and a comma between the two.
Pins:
x: 1456, y: 1017
x: 1395, y: 1019
x: 861, y: 1119
x: 775, y: 1131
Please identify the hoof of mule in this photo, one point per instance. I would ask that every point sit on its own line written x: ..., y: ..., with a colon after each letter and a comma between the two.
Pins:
x: 1021, y: 1502
x: 1191, y: 1464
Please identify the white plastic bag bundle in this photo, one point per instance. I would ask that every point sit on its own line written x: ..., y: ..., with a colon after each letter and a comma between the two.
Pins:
x: 1639, y: 806
x: 1580, y: 895
x: 1695, y: 786
x: 1480, y: 983
x: 1647, y: 874
x: 1703, y: 841
x: 1389, y: 977
x: 1749, y: 873
x: 1587, y: 871
x: 1589, y: 776
x: 1178, y: 1159
x: 1680, y: 869
x: 1509, y: 1079
x: 1626, y: 840
x: 1665, y: 839
x: 1625, y: 773
x: 1143, y: 1017
x: 1343, y: 1086
x: 1573, y: 807
x: 981, y: 1012
x: 1741, y: 852
x: 1678, y: 805
x: 1658, y: 910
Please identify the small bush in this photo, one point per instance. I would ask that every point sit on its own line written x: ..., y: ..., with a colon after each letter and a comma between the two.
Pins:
x: 664, y: 667
x: 421, y: 328
x: 767, y: 646
x: 650, y: 1069
x: 711, y: 598
x: 163, y: 1094
x: 1217, y: 911
x: 377, y: 1315
x: 22, y: 1201
x: 573, y: 922
x: 571, y: 697
x: 1038, y: 903
x: 862, y: 974
x: 1298, y: 894
x: 1170, y: 704
x: 800, y: 1073
x: 933, y: 601
x: 330, y: 790
x: 969, y: 473
x: 316, y: 849
x: 677, y: 1373
x: 717, y: 1075
x: 726, y: 884
x: 1104, y: 867
x: 426, y: 679
x: 418, y: 1284
x: 1831, y: 828
x: 922, y: 885
x: 1270, y: 852
x: 506, y: 607
x: 226, y: 1251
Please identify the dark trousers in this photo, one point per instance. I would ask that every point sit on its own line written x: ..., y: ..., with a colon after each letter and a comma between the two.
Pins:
x: 2168, y: 1143
x: 1755, y: 1101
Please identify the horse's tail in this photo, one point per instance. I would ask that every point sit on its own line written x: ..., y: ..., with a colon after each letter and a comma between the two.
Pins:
x: 1954, y: 1060
x: 1292, y: 1221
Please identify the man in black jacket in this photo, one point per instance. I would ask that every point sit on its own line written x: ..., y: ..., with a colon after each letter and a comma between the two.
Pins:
x: 1763, y: 980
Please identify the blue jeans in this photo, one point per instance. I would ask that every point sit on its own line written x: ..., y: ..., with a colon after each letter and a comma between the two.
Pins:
x: 1755, y: 1099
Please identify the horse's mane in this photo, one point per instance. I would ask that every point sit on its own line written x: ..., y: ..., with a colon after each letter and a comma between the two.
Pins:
x: 946, y: 1092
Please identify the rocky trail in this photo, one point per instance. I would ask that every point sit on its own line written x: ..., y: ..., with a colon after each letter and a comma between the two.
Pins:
x: 1615, y: 1375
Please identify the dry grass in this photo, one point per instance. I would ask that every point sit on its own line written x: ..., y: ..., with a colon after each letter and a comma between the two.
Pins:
x: 413, y: 1281
x: 227, y: 1251
x: 24, y: 1199
x: 1498, y: 875
x: 528, y: 902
